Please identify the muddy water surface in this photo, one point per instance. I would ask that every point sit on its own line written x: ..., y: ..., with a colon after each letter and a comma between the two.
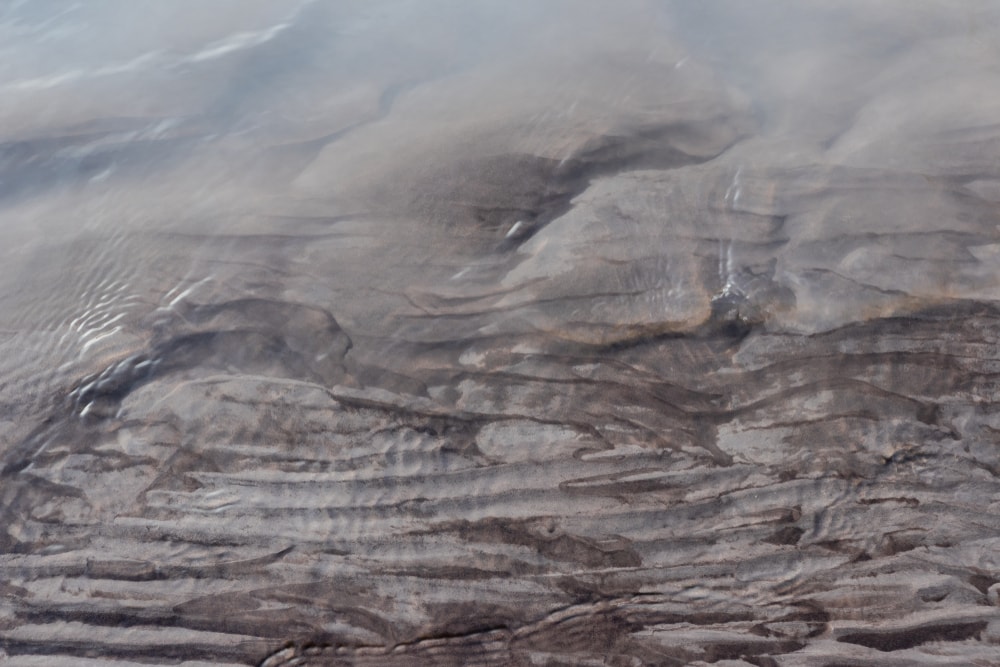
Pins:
x: 399, y: 333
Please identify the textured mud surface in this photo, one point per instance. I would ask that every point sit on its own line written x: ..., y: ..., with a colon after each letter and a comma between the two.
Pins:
x: 437, y: 334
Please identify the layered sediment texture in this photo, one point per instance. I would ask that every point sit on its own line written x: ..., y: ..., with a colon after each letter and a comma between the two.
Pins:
x: 465, y: 334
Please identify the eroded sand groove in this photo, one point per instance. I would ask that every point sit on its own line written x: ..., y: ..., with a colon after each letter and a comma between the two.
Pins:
x: 595, y: 352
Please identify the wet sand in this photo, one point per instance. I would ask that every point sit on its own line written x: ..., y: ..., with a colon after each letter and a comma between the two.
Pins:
x: 446, y: 333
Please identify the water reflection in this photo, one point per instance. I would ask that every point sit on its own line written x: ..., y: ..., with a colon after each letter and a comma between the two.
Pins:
x: 451, y: 330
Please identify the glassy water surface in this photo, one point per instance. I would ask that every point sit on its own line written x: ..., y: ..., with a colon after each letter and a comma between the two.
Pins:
x: 562, y: 332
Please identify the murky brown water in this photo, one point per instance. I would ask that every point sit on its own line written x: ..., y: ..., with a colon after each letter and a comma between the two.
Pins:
x: 393, y: 332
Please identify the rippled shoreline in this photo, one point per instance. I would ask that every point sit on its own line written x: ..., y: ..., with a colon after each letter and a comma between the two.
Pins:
x: 444, y: 333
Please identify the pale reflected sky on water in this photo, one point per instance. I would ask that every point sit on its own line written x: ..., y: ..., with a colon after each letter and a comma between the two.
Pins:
x: 460, y: 125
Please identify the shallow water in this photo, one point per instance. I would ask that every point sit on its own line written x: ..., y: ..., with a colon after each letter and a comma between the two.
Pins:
x: 499, y: 333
